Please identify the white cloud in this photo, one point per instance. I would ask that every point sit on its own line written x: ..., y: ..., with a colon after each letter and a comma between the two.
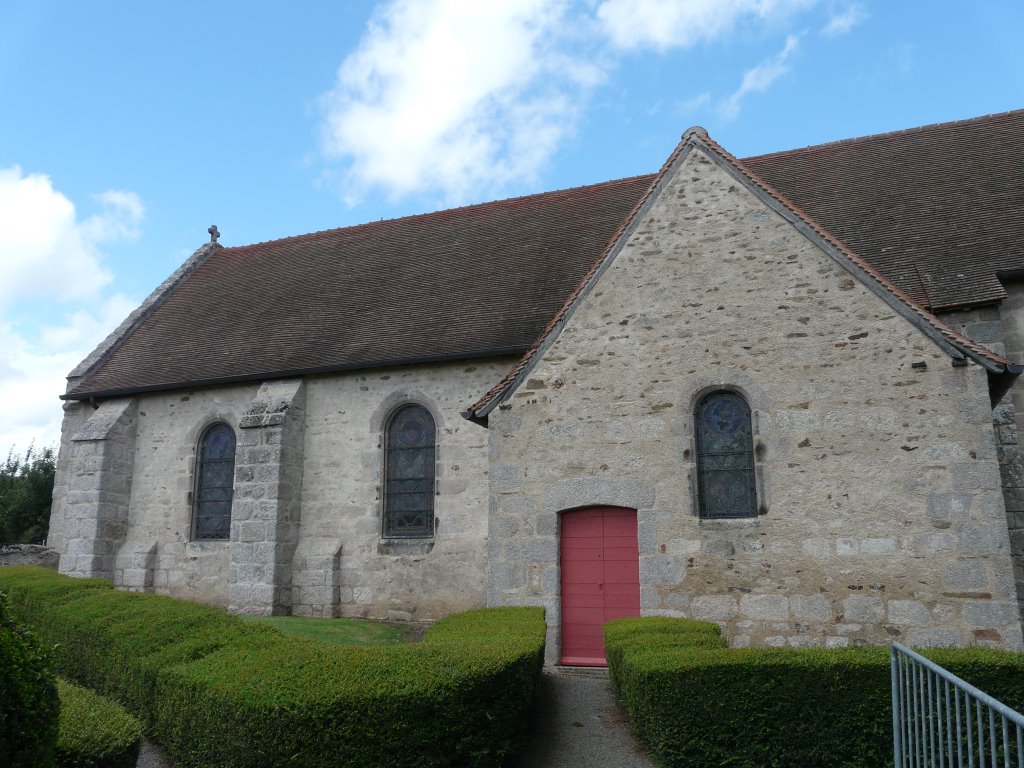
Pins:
x: 47, y: 252
x: 449, y: 95
x: 759, y: 78
x: 52, y: 268
x: 842, y: 22
x: 665, y: 24
x: 465, y: 99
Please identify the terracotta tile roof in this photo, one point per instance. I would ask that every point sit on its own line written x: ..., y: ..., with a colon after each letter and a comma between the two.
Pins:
x: 936, y: 210
x: 466, y: 282
x: 958, y: 344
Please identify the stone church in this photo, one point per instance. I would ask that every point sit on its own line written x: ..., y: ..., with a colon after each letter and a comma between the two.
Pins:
x: 775, y: 392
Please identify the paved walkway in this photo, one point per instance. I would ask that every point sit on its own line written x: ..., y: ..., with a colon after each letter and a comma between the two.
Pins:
x: 575, y: 724
x: 151, y: 756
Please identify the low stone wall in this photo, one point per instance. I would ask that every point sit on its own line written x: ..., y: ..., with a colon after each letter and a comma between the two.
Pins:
x: 28, y: 554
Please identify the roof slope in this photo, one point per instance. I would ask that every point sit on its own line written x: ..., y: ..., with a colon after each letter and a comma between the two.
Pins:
x: 937, y: 211
x: 470, y: 281
x: 954, y: 343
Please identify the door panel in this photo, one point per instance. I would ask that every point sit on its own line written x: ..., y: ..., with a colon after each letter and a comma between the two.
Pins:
x: 600, y: 579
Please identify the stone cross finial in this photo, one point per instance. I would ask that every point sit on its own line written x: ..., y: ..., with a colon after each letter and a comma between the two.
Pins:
x: 214, y: 233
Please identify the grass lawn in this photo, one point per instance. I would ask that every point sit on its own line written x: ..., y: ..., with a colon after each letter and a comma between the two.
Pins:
x: 338, y: 631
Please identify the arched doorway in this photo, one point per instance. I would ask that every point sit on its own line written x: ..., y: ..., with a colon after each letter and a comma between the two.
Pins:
x: 600, y: 565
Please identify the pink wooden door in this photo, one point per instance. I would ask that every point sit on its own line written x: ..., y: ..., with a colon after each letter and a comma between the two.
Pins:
x: 600, y: 579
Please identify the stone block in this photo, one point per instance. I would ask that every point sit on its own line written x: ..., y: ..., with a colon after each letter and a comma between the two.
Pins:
x: 252, y: 531
x: 585, y: 491
x: 909, y: 613
x: 987, y: 332
x: 820, y: 548
x: 927, y: 544
x: 810, y: 608
x: 661, y: 570
x: 866, y: 609
x: 847, y: 547
x: 506, y: 478
x: 504, y: 526
x: 976, y: 475
x: 506, y: 577
x: 943, y: 637
x: 977, y: 539
x: 979, y: 613
x: 949, y: 506
x: 804, y: 641
x: 765, y: 607
x: 546, y: 524
x: 542, y: 550
x: 944, y: 452
x: 719, y: 548
x: 990, y: 506
x: 878, y: 546
x: 966, y: 576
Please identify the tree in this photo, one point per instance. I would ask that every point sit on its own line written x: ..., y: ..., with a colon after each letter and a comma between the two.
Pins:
x: 26, y: 492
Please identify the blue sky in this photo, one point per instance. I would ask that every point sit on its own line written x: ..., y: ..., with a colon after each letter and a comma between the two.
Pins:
x: 126, y: 129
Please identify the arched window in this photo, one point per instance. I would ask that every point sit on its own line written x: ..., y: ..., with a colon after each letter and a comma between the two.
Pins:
x: 409, y: 473
x: 215, y: 475
x: 725, y: 457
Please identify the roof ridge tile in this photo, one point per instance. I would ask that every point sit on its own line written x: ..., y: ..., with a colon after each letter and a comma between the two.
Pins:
x: 441, y: 212
x: 890, y: 134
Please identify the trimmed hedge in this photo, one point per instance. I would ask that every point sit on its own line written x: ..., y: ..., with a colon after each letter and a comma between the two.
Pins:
x: 94, y: 731
x: 692, y: 702
x: 28, y: 697
x: 214, y: 690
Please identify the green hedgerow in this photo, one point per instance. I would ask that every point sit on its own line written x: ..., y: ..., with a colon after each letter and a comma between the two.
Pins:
x: 29, y: 703
x: 692, y: 702
x: 216, y: 690
x: 94, y: 731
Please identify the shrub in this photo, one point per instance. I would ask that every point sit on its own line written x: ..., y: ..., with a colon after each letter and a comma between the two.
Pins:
x: 26, y: 492
x: 692, y: 704
x: 28, y: 704
x: 215, y: 690
x: 94, y: 731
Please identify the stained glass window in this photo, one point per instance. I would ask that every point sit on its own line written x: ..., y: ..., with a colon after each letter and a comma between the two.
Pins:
x: 409, y: 474
x: 214, y: 482
x: 725, y: 457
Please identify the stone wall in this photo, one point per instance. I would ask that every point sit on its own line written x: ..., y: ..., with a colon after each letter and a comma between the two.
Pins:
x: 267, y: 503
x: 29, y: 554
x: 340, y: 546
x: 75, y: 415
x: 879, y: 479
x: 306, y: 528
x: 158, y: 554
x: 1002, y: 329
x: 95, y: 501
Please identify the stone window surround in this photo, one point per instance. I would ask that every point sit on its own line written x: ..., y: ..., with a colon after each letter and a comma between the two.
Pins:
x: 197, y: 435
x: 749, y: 512
x: 757, y: 401
x: 379, y: 422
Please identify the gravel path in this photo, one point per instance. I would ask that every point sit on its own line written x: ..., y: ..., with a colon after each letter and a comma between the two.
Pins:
x: 578, y: 724
x: 151, y: 756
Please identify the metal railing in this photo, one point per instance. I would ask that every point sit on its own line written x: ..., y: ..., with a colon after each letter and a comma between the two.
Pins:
x: 940, y: 721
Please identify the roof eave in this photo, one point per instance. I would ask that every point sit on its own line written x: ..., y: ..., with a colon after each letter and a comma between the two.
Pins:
x: 293, y: 373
